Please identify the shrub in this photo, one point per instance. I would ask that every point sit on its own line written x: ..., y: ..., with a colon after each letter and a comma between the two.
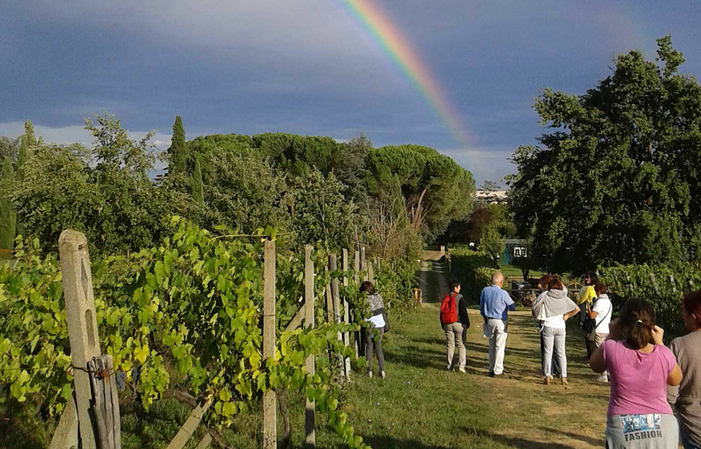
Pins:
x: 661, y: 285
x: 474, y: 269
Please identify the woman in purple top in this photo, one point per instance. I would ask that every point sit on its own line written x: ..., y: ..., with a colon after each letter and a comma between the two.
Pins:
x: 640, y: 367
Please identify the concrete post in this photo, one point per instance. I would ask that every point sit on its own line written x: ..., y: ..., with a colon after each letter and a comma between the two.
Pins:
x: 346, y: 314
x: 309, y: 422
x: 269, y: 398
x: 82, y: 325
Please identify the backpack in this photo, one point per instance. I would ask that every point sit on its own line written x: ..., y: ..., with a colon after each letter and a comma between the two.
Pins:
x: 449, y: 309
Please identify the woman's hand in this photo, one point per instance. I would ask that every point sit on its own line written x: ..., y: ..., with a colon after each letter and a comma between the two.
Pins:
x: 657, y: 333
x: 615, y: 330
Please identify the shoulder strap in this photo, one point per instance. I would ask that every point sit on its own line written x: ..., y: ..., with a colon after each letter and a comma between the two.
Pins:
x: 609, y: 312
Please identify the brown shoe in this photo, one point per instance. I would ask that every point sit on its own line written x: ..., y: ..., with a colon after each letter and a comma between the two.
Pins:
x: 546, y: 380
x: 564, y: 381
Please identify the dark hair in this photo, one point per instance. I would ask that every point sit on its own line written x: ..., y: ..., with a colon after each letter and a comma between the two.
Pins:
x: 454, y: 284
x: 368, y: 287
x: 591, y: 276
x: 692, y: 305
x: 637, y: 321
x: 555, y: 284
x: 599, y: 288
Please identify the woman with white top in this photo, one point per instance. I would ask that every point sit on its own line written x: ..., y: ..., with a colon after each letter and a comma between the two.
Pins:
x: 600, y: 311
x: 556, y: 308
x: 373, y: 333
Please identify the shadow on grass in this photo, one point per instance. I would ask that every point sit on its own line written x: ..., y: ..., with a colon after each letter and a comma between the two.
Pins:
x: 19, y: 429
x: 586, y: 439
x: 418, y: 358
x: 382, y: 442
x: 523, y: 442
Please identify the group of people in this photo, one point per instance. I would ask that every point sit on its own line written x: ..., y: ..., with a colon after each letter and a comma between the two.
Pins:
x: 655, y: 399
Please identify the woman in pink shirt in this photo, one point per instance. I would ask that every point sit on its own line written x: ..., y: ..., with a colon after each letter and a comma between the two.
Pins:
x: 640, y: 367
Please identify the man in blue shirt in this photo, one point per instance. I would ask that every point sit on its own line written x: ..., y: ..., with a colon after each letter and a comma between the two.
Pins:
x: 494, y: 303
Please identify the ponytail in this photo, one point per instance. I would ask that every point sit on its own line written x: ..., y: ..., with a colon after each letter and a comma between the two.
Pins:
x: 637, y: 322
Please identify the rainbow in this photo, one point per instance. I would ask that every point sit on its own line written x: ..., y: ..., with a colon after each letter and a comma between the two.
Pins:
x: 398, y: 49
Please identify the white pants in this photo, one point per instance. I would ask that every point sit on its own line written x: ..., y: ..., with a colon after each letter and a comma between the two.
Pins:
x: 497, y: 332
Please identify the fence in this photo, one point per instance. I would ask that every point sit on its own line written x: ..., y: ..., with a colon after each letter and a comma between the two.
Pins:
x: 91, y: 419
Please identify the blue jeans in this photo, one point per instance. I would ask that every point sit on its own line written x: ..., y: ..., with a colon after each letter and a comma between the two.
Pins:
x: 686, y: 440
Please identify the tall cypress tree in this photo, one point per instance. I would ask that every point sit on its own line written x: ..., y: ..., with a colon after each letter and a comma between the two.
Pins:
x: 31, y: 138
x: 8, y: 215
x: 196, y: 185
x: 177, y: 149
x: 23, y: 154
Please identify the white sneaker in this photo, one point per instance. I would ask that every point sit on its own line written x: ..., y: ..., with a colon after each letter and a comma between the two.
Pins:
x: 462, y: 370
x: 369, y: 373
x: 603, y: 378
x: 382, y: 374
x: 449, y: 368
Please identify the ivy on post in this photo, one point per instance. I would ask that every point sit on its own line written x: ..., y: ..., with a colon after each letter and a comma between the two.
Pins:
x: 82, y: 326
x: 309, y: 422
x: 269, y: 397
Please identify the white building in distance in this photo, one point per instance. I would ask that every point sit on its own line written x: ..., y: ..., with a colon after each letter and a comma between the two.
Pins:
x: 491, y: 196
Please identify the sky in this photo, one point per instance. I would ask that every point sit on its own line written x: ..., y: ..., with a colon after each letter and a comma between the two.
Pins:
x: 312, y: 67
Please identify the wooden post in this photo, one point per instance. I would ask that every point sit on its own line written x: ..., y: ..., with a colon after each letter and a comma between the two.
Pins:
x: 371, y: 275
x: 346, y: 315
x: 333, y: 265
x: 329, y: 299
x: 363, y: 265
x: 269, y: 398
x: 356, y: 280
x: 82, y: 325
x: 309, y: 417
x: 188, y: 429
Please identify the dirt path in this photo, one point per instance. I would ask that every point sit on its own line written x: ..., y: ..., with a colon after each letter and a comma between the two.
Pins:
x: 433, y: 276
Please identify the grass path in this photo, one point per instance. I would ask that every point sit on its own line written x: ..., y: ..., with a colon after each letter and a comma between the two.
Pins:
x: 421, y: 405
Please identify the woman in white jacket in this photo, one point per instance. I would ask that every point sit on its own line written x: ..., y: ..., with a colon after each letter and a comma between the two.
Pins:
x: 554, y: 308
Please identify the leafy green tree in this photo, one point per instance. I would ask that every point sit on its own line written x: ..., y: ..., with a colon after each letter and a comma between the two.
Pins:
x: 493, y: 243
x: 177, y: 151
x: 320, y: 212
x: 9, y: 147
x: 243, y: 191
x: 435, y: 188
x: 617, y: 178
x: 55, y: 193
x: 114, y: 202
x: 196, y: 187
x: 8, y: 216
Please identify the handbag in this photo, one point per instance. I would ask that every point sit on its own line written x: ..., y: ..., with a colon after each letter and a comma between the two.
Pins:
x: 384, y: 317
x: 589, y: 325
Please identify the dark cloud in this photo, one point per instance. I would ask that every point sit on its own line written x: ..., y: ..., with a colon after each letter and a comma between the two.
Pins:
x: 307, y: 66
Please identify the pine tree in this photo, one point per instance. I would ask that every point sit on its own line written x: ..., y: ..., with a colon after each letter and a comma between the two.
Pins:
x: 8, y: 216
x: 196, y: 185
x: 177, y: 149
